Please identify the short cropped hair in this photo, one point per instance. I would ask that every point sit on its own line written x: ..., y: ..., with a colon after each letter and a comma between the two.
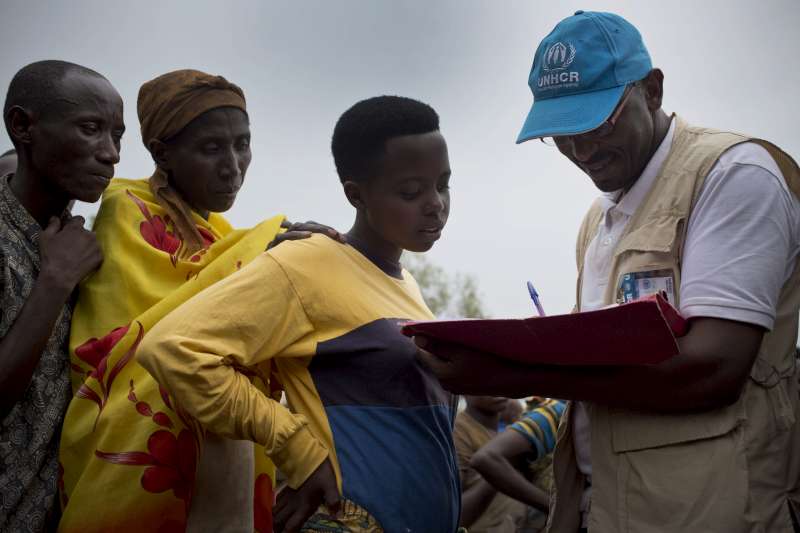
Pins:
x: 360, y: 135
x: 37, y: 84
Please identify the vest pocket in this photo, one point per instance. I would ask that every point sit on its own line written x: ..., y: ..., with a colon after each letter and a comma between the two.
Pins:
x: 634, y: 430
x: 686, y: 487
x: 659, y: 233
x: 650, y: 250
x: 693, y: 465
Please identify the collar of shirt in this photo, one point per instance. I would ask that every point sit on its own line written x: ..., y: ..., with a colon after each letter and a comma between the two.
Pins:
x: 627, y: 204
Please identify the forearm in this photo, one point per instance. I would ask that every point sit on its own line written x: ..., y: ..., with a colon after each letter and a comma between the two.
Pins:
x: 240, y: 322
x: 225, y: 402
x: 679, y: 384
x: 474, y: 501
x: 22, y: 346
x: 501, y: 474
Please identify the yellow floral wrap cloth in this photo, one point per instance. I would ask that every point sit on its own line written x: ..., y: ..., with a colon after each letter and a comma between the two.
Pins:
x: 129, y: 454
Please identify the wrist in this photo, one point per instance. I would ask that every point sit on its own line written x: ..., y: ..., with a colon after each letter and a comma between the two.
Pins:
x: 302, y: 444
x: 55, y: 283
x: 486, y: 487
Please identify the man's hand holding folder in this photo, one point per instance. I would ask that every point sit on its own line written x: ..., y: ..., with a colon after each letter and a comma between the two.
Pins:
x: 707, y: 358
x: 465, y: 371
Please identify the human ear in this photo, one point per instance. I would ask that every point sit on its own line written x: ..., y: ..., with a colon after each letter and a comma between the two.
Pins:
x: 653, y: 87
x: 355, y: 194
x: 20, y: 124
x: 160, y: 153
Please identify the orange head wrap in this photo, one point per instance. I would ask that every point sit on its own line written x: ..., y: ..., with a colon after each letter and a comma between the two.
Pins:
x: 169, y: 102
x: 165, y: 106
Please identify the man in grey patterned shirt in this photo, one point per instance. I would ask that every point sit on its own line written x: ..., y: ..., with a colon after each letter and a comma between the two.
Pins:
x: 66, y: 124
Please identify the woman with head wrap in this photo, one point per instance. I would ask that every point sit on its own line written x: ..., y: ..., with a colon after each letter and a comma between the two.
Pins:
x: 131, y: 458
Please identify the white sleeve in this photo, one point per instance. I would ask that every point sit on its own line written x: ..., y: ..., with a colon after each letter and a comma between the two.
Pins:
x: 742, y: 241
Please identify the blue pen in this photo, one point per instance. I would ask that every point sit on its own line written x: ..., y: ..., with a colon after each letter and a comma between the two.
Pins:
x: 535, y: 298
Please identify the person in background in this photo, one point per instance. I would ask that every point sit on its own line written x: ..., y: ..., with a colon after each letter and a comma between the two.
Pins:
x: 518, y: 461
x: 483, y: 509
x: 66, y: 123
x: 510, y: 414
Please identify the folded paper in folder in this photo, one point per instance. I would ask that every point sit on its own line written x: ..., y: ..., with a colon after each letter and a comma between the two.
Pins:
x: 636, y: 333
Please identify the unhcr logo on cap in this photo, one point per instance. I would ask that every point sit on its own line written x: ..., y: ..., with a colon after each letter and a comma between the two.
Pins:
x: 557, y: 57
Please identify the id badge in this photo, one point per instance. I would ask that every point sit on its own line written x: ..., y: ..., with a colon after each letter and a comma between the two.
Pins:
x: 636, y: 285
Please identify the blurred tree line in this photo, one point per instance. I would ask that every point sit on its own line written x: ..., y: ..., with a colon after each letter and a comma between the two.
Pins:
x: 447, y: 295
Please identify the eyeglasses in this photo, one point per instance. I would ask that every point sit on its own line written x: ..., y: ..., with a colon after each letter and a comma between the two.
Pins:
x: 603, y: 130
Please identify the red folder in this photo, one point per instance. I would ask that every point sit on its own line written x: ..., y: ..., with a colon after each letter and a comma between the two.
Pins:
x: 636, y: 333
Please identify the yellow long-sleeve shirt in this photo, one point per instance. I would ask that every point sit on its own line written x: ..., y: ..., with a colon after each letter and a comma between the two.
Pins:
x: 329, y: 319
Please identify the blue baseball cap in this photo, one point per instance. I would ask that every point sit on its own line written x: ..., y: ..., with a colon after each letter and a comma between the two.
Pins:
x: 580, y: 72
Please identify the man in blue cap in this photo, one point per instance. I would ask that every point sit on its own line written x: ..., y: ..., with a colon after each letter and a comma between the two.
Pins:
x: 708, y: 440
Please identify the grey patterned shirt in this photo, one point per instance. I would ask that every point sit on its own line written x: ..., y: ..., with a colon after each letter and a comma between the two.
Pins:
x: 30, y: 432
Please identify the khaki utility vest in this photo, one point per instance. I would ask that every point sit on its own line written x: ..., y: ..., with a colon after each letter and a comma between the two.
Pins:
x: 728, y: 470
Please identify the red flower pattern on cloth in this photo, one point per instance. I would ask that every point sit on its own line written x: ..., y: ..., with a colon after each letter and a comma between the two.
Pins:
x: 143, y: 408
x: 95, y: 352
x: 208, y: 237
x: 208, y: 240
x: 171, y: 463
x: 154, y: 229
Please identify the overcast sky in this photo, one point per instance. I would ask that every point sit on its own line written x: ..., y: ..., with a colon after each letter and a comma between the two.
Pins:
x: 515, y: 209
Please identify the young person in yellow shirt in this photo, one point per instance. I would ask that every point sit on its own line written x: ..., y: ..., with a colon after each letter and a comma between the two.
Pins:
x: 369, y: 431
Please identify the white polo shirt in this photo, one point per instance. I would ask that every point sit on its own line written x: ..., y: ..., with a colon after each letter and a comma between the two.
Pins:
x: 742, y: 243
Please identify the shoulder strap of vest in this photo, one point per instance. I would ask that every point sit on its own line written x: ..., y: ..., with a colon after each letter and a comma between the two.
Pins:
x: 726, y: 140
x: 693, y: 153
x: 588, y: 229
x: 720, y: 141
